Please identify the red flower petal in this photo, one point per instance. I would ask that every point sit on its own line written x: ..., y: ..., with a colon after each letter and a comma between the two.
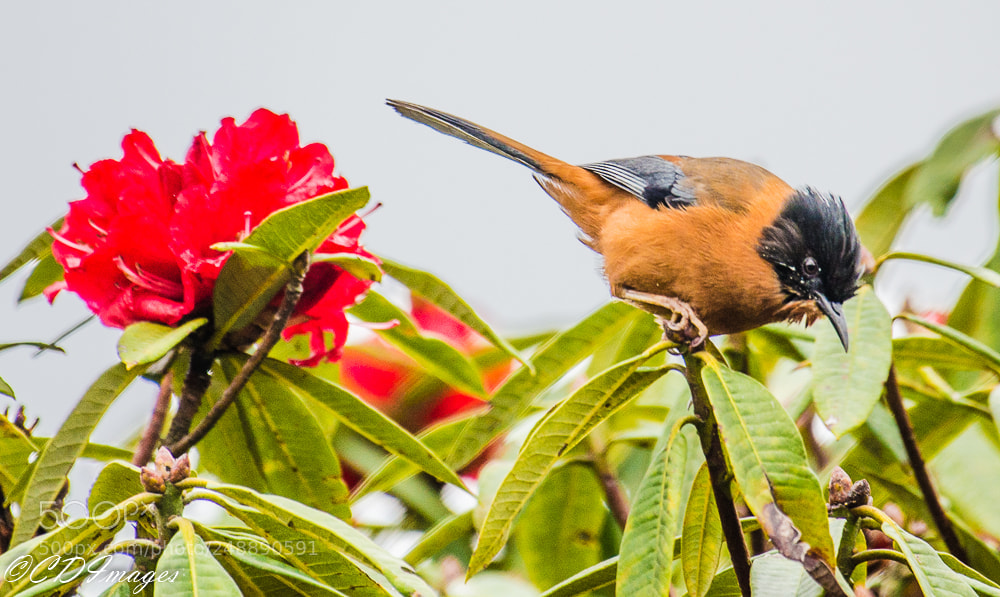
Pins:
x: 138, y: 247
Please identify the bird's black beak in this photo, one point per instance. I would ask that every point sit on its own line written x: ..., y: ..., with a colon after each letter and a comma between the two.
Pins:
x: 835, y: 313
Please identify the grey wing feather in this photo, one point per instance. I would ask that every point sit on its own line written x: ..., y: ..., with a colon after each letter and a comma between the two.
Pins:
x: 650, y: 178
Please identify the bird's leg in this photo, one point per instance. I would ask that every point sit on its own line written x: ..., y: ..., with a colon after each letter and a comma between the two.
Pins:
x: 683, y: 324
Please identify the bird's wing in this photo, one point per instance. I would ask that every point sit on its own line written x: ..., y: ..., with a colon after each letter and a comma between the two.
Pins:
x: 654, y: 180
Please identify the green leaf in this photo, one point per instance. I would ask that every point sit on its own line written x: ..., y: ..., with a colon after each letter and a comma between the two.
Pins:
x: 267, y: 535
x: 846, y: 386
x: 560, y: 528
x: 331, y: 532
x: 455, y: 527
x: 938, y: 178
x: 437, y: 357
x: 273, y: 432
x: 5, y: 389
x: 58, y: 456
x: 563, y: 427
x: 248, y: 281
x: 701, y: 537
x: 434, y: 290
x: 913, y: 352
x: 593, y: 578
x: 977, y: 312
x: 37, y: 248
x: 147, y: 342
x: 421, y: 495
x: 981, y: 274
x: 116, y: 482
x: 257, y: 574
x: 769, y: 462
x: 551, y: 361
x: 246, y: 285
x: 438, y: 438
x: 973, y: 578
x: 935, y: 578
x: 363, y: 418
x: 190, y: 568
x: 647, y: 549
x: 773, y: 575
x: 968, y: 342
x: 358, y: 266
x: 16, y: 449
x: 47, y: 272
x: 882, y: 217
x: 104, y: 453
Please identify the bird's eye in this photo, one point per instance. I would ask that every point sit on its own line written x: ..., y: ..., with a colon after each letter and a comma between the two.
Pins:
x: 810, y: 268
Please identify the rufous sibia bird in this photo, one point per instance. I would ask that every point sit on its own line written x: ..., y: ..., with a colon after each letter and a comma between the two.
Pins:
x: 708, y: 245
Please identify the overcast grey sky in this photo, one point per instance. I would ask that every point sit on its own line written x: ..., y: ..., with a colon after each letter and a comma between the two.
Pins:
x: 835, y: 95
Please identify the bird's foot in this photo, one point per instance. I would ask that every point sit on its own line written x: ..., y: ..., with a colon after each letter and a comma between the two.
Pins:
x: 681, y: 326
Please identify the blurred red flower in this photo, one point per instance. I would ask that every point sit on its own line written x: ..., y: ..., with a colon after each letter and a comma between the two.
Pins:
x: 138, y: 247
x: 395, y: 384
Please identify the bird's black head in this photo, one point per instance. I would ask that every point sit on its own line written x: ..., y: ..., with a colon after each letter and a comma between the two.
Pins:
x: 815, y: 252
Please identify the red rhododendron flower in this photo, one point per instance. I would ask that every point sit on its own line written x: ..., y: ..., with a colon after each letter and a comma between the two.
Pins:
x: 138, y: 247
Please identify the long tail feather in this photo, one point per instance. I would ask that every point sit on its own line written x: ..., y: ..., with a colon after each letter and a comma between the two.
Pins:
x: 473, y: 134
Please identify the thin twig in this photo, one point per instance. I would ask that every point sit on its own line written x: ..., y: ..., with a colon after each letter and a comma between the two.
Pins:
x: 293, y: 291
x: 150, y: 437
x: 613, y: 491
x: 718, y: 472
x: 941, y: 520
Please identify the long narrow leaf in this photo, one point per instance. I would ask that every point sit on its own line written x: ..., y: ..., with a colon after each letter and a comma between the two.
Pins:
x: 935, y: 578
x: 559, y: 531
x: 45, y: 273
x: 982, y: 274
x: 769, y: 463
x: 647, y: 549
x: 434, y: 290
x: 559, y: 431
x: 189, y: 565
x: 58, y: 456
x: 936, y: 180
x: 248, y: 281
x: 146, y: 342
x: 593, y: 578
x: 295, y: 457
x: 963, y: 340
x: 701, y: 537
x: 363, y: 418
x: 333, y: 532
x: 38, y: 247
x: 436, y: 356
x: 552, y: 361
x: 272, y: 531
x: 846, y: 386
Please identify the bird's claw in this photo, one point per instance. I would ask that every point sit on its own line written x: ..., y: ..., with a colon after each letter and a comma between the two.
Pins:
x: 681, y: 326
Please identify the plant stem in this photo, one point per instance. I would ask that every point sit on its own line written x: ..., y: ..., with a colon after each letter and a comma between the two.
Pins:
x: 151, y: 436
x: 718, y: 472
x: 941, y: 520
x: 196, y: 382
x: 848, y: 538
x: 293, y: 291
x: 613, y: 491
x: 878, y: 554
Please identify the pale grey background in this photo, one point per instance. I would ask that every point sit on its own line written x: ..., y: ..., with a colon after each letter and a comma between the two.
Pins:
x: 836, y: 95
